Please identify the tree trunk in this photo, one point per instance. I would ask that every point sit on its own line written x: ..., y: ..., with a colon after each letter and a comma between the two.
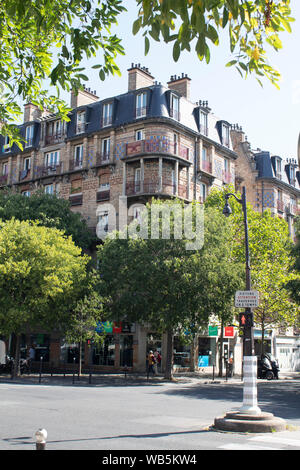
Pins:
x: 169, y: 358
x: 221, y: 339
x: 16, y: 365
x: 79, y: 359
x: 193, y: 352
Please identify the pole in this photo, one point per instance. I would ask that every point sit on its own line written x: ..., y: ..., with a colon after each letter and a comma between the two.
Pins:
x: 41, y: 362
x: 250, y: 361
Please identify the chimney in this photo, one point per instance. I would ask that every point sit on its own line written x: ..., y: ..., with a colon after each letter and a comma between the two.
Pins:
x: 83, y: 97
x: 139, y: 77
x: 237, y: 136
x: 31, y: 112
x: 181, y: 84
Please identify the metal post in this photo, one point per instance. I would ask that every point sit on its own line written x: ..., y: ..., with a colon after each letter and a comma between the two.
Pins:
x: 40, y: 437
x: 74, y: 359
x: 41, y: 362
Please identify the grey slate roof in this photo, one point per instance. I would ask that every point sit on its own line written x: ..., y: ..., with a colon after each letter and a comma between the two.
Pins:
x: 266, y: 167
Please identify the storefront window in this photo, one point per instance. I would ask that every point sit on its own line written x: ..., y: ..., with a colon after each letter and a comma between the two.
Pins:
x: 104, y: 355
x: 206, y: 352
x: 182, y: 354
x: 126, y: 350
x: 41, y: 344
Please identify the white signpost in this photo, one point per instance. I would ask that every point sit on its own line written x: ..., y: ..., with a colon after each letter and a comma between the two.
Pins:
x: 246, y: 298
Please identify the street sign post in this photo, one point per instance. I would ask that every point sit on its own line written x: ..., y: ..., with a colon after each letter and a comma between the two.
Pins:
x: 246, y: 299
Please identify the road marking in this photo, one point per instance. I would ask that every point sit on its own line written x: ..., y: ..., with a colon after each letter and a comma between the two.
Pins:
x: 277, y: 440
x: 233, y: 446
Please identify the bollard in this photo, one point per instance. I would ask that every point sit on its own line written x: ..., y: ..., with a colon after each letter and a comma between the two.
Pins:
x: 41, y: 362
x: 40, y: 438
x: 74, y: 359
x: 214, y: 372
x: 125, y: 370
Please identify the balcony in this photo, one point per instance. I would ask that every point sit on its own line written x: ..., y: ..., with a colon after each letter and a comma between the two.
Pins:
x: 150, y: 187
x: 206, y: 166
x: 25, y: 175
x: 48, y: 170
x: 227, y: 177
x: 76, y: 164
x: 54, y: 139
x: 157, y: 147
x: 280, y: 206
x: 102, y: 158
x: 3, y: 180
x: 291, y: 209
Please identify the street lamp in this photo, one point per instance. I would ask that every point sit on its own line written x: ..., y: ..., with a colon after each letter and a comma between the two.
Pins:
x: 250, y: 360
x: 249, y: 418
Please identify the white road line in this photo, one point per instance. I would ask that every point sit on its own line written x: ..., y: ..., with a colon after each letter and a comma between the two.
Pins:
x: 277, y: 440
x: 233, y: 446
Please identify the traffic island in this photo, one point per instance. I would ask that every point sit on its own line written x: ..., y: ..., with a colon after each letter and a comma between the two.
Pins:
x: 237, y: 421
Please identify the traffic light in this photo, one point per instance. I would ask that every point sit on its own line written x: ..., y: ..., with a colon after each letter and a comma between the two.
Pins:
x: 246, y: 319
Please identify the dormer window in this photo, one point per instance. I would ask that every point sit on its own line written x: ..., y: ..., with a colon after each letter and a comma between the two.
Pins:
x: 203, y: 123
x: 80, y: 123
x: 6, y: 145
x: 292, y: 175
x: 107, y: 114
x: 29, y: 136
x: 225, y: 135
x: 174, y: 107
x: 278, y: 168
x: 141, y: 105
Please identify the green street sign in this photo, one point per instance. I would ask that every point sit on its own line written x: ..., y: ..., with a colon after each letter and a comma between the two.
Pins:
x: 212, y: 331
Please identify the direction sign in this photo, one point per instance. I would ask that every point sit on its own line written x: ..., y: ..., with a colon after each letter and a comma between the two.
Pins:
x: 246, y: 298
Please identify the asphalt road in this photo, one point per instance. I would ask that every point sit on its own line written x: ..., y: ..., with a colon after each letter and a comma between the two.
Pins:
x: 132, y: 415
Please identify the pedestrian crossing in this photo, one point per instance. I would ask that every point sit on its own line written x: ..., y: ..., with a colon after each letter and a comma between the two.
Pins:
x: 264, y: 442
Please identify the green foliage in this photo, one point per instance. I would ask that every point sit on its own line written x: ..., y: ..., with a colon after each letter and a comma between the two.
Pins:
x: 252, y: 26
x: 271, y: 259
x: 41, y: 273
x: 50, y: 210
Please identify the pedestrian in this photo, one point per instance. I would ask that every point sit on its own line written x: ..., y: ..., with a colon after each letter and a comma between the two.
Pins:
x: 157, y: 357
x: 151, y: 362
x: 230, y: 365
x: 31, y: 357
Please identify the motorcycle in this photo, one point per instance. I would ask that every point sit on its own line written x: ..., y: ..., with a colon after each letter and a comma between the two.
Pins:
x: 267, y: 367
x: 7, y: 367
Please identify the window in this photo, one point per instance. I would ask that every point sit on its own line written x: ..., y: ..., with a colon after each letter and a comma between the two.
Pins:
x: 174, y: 108
x: 292, y: 174
x: 105, y: 148
x: 5, y: 169
x: 6, y: 146
x: 139, y: 135
x: 49, y: 189
x: 78, y: 156
x: 203, y: 123
x: 204, y: 154
x: 141, y: 105
x: 203, y: 192
x: 27, y: 164
x: 278, y: 168
x: 107, y: 114
x: 80, y: 124
x: 26, y: 193
x: 29, y: 136
x: 137, y: 180
x: 104, y: 182
x: 175, y: 143
x: 173, y: 181
x: 102, y: 223
x: 52, y: 159
x: 225, y: 135
x: 76, y: 186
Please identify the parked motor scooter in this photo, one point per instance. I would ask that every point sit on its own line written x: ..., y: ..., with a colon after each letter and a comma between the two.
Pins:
x: 9, y: 364
x: 267, y: 367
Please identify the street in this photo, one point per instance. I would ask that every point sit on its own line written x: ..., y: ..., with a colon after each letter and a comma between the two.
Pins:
x: 131, y: 415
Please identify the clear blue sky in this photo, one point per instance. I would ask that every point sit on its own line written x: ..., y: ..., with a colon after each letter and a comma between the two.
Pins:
x: 270, y: 118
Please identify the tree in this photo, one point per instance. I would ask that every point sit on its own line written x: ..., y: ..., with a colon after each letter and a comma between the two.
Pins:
x: 252, y: 26
x: 82, y: 325
x: 41, y: 275
x: 271, y: 260
x: 47, y: 40
x: 50, y: 211
x: 158, y: 281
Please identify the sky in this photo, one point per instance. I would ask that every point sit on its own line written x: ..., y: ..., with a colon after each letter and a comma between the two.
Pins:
x: 269, y: 117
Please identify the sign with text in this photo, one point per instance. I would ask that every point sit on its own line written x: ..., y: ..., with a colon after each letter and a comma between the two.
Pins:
x: 212, y: 330
x: 229, y: 332
x: 246, y: 298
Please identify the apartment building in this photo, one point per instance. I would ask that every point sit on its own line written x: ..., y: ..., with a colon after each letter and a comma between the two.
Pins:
x: 151, y: 141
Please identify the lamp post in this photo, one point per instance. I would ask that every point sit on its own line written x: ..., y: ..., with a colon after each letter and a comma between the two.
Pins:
x: 250, y: 360
x: 248, y: 418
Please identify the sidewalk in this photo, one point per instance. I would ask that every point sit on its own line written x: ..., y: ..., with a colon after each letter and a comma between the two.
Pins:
x: 133, y: 378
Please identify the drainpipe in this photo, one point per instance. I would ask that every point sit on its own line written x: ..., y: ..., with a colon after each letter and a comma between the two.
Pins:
x: 195, y: 166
